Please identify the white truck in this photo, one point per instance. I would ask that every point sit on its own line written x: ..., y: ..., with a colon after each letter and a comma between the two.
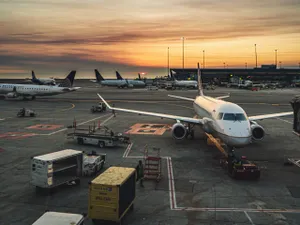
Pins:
x: 57, y: 168
x: 58, y: 218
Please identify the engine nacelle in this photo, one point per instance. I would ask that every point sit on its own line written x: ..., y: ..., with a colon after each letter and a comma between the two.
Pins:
x: 179, y: 131
x: 258, y: 131
x: 11, y: 95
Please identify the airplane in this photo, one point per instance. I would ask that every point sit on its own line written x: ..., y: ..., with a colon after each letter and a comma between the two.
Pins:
x: 112, y: 82
x: 184, y: 83
x: 46, y: 81
x: 31, y: 91
x: 222, y: 119
x: 132, y: 83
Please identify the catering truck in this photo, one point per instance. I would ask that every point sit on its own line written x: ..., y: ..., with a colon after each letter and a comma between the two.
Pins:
x: 56, y: 168
x: 111, y: 195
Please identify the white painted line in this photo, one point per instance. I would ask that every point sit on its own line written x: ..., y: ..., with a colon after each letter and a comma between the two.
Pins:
x: 249, y: 218
x: 125, y: 155
x: 284, y: 120
x: 129, y: 149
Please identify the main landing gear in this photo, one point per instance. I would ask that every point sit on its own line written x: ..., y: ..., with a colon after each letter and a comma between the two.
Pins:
x: 190, y: 131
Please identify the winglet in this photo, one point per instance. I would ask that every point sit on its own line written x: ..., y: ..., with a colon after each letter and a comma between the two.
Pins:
x: 104, y: 101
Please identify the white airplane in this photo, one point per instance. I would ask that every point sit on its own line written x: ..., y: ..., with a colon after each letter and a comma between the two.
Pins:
x: 222, y: 119
x: 42, y: 81
x: 184, y: 83
x: 31, y: 91
x: 130, y: 82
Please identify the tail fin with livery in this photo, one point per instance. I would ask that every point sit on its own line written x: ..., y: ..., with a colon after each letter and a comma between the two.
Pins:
x: 119, y: 77
x: 98, y: 76
x: 68, y: 81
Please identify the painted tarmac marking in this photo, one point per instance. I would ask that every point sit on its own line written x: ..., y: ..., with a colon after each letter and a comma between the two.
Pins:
x: 44, y: 127
x: 152, y: 129
x: 249, y: 218
x: 284, y: 120
x: 173, y: 201
x: 72, y: 107
x: 16, y: 135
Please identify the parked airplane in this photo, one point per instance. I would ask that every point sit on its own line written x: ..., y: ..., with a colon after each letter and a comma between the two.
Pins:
x: 222, y: 119
x: 183, y: 83
x: 132, y: 83
x: 45, y: 81
x: 31, y: 91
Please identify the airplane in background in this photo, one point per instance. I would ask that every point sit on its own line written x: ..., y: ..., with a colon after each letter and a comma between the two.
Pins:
x: 112, y: 82
x: 220, y: 118
x: 31, y: 91
x: 42, y: 81
x: 131, y: 83
x: 184, y: 83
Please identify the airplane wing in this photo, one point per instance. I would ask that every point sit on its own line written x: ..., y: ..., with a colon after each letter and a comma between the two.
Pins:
x: 184, y: 98
x: 161, y: 115
x: 268, y: 116
x: 94, y: 81
x: 222, y: 97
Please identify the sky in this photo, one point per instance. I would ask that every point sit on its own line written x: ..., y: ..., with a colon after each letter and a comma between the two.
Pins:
x: 53, y: 37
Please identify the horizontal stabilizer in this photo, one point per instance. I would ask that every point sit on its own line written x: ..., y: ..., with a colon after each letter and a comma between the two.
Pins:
x: 183, y: 98
x: 222, y: 97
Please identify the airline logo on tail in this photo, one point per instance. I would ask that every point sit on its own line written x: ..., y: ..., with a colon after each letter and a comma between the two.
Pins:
x: 68, y: 81
x: 119, y: 77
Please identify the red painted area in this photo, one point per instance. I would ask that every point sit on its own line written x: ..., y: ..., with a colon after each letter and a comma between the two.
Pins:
x: 1, y: 150
x: 153, y: 129
x: 45, y: 127
x: 16, y: 135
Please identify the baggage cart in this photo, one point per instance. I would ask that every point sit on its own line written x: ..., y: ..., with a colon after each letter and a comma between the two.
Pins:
x: 58, y: 218
x: 111, y: 195
x: 55, y: 169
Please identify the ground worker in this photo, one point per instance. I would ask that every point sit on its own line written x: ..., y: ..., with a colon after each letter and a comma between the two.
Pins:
x: 141, y: 173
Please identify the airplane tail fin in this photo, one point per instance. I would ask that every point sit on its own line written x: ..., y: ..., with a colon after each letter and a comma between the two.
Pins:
x: 68, y: 81
x: 33, y: 75
x: 139, y: 76
x: 98, y: 76
x: 200, y: 87
x: 119, y: 77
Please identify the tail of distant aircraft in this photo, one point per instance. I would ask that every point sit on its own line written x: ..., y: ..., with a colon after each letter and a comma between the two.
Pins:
x: 119, y: 77
x: 34, y: 79
x: 200, y: 87
x: 98, y: 76
x: 139, y: 76
x: 68, y: 81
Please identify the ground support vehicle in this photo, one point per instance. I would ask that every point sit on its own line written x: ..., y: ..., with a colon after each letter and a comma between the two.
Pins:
x: 102, y: 137
x: 93, y: 163
x: 58, y: 218
x: 111, y: 195
x: 54, y: 169
x: 239, y: 168
x: 101, y: 107
x: 26, y: 113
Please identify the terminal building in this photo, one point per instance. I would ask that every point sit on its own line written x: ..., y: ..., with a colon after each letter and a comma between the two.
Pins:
x: 262, y: 74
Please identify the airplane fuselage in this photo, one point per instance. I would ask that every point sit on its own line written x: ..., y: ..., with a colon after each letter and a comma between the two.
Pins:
x: 33, y: 90
x: 224, y: 120
x: 186, y: 83
x: 120, y: 83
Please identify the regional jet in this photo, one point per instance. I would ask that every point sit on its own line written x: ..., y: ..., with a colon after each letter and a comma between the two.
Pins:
x: 115, y: 83
x: 46, y: 81
x: 222, y: 119
x: 131, y: 83
x: 184, y: 83
x: 31, y: 91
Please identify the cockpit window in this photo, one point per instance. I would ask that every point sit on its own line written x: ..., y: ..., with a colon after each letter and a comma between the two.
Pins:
x: 234, y: 116
x: 220, y: 116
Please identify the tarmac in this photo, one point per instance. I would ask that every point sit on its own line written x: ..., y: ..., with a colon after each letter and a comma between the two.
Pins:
x: 194, y: 189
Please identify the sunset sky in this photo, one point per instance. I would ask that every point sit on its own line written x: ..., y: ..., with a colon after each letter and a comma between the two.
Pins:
x: 56, y: 36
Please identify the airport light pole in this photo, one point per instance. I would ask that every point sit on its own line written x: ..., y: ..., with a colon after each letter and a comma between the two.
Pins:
x: 182, y: 53
x: 280, y: 64
x: 246, y: 66
x: 224, y: 64
x: 168, y: 61
x: 255, y: 56
x: 276, y: 58
x: 203, y: 59
x: 299, y: 65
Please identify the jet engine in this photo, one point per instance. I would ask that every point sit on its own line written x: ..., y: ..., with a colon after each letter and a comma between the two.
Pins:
x: 179, y: 131
x: 11, y: 95
x: 258, y: 131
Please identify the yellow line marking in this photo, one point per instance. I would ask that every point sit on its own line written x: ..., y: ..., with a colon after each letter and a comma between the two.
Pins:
x: 72, y: 107
x: 275, y: 104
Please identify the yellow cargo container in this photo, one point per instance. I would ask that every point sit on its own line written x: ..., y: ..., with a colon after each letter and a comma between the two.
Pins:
x: 112, y: 193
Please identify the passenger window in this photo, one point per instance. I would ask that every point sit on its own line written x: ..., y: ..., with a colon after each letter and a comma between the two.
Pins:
x: 220, y: 116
